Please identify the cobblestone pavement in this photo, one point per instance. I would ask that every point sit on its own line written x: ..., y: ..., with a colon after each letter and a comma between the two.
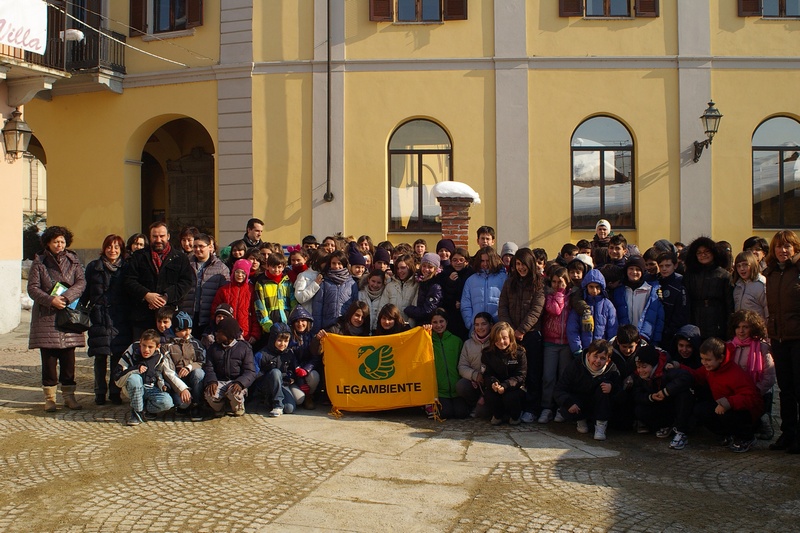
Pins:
x: 86, y: 471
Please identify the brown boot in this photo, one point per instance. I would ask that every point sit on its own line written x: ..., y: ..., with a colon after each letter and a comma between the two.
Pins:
x: 49, y: 399
x: 68, y: 392
x: 309, y: 402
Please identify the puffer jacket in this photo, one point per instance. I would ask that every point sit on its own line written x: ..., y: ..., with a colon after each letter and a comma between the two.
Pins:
x: 577, y: 382
x: 751, y: 295
x: 556, y: 314
x: 374, y: 307
x: 482, y: 293
x: 174, y: 279
x: 332, y: 301
x: 45, y: 271
x: 214, y: 275
x: 521, y: 306
x: 469, y: 362
x: 651, y: 321
x: 400, y: 293
x: 731, y: 385
x: 429, y: 297
x: 301, y: 344
x: 603, y: 312
x: 710, y: 300
x: 783, y: 300
x: 242, y: 297
x: 234, y: 362
x: 501, y: 368
x: 110, y: 332
x: 451, y: 298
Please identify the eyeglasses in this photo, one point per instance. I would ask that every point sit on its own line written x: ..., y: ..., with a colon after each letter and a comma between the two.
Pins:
x: 703, y: 252
x: 458, y: 260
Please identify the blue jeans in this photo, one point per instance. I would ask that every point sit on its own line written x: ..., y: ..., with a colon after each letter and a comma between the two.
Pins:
x: 153, y: 398
x: 280, y: 395
x: 195, y: 382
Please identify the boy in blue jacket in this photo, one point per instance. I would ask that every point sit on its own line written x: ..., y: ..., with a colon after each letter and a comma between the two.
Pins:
x: 603, y: 314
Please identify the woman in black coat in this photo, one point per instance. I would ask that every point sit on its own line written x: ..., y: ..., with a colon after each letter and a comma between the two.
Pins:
x: 110, y: 333
x: 708, y: 286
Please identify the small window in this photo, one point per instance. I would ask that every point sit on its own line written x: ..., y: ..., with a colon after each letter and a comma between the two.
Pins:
x: 420, y: 156
x: 776, y: 174
x: 607, y: 8
x: 602, y: 174
x: 160, y: 16
x: 417, y: 10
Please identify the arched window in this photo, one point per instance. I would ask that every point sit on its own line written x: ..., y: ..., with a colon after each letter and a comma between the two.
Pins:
x: 776, y: 174
x: 420, y: 156
x: 602, y: 174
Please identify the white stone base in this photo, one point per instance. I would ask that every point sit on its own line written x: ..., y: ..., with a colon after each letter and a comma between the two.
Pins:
x: 10, y: 275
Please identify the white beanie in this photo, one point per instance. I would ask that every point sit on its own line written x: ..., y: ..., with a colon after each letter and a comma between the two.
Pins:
x: 603, y: 222
x: 585, y: 258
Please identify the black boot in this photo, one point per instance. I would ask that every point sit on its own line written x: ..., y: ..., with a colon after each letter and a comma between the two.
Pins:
x: 784, y: 442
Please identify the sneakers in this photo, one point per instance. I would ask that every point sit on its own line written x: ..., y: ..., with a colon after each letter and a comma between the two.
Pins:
x: 663, y: 433
x: 429, y: 411
x: 641, y: 428
x: 276, y: 412
x: 496, y: 421
x: 741, y: 446
x: 679, y: 441
x: 516, y: 421
x: 135, y: 418
x: 238, y: 411
x: 219, y: 414
x: 527, y: 417
x: 583, y: 426
x: 559, y: 417
x: 544, y: 418
x: 150, y: 416
x: 726, y: 442
x: 196, y: 413
x: 600, y: 429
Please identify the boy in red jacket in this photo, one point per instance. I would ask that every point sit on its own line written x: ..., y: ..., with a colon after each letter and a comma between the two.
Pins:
x: 737, y: 405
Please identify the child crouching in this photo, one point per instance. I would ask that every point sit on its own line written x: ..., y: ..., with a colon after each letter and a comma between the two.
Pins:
x: 584, y: 391
x: 187, y: 356
x: 143, y: 372
x: 506, y: 368
x: 230, y: 369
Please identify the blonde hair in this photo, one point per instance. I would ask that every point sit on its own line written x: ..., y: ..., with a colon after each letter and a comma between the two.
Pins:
x: 752, y: 261
x: 495, y: 334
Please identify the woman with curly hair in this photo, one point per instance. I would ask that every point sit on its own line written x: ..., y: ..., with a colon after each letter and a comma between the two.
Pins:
x: 708, y: 286
x: 55, y: 265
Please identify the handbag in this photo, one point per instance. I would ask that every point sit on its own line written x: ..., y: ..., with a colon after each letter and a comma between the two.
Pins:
x: 71, y: 320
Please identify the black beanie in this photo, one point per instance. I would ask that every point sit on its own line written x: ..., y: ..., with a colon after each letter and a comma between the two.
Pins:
x: 229, y: 327
x: 647, y: 354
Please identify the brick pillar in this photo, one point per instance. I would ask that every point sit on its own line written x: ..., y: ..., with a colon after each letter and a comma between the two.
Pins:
x: 455, y: 220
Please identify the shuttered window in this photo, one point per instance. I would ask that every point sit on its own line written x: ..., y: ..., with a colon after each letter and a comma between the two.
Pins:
x: 417, y: 10
x: 646, y: 8
x: 167, y: 15
x: 749, y: 8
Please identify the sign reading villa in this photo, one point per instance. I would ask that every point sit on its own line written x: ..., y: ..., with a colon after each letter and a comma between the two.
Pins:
x: 23, y: 24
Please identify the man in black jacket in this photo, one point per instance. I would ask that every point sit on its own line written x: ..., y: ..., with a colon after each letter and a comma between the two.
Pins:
x: 154, y: 277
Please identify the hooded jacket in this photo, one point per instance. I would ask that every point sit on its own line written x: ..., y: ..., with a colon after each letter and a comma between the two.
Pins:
x: 446, y: 351
x: 482, y: 293
x: 577, y: 382
x: 674, y: 381
x: 233, y: 362
x: 690, y: 333
x: 603, y: 312
x: 270, y: 358
x: 651, y: 321
x: 301, y: 346
x: 208, y: 281
x: 240, y: 296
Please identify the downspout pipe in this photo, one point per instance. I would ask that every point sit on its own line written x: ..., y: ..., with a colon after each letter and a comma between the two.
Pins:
x: 328, y: 196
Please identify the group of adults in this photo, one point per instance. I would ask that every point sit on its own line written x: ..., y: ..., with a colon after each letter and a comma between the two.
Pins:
x: 126, y: 285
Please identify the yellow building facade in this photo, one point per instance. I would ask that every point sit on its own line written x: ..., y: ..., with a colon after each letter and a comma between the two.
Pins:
x: 317, y: 119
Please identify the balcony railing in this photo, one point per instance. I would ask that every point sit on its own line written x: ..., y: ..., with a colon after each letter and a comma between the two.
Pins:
x: 99, y: 49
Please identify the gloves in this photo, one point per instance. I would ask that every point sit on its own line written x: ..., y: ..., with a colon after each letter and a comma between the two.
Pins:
x: 587, y: 322
x: 300, y: 372
x: 305, y: 388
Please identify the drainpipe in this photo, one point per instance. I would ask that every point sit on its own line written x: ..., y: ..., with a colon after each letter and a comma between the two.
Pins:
x: 328, y: 196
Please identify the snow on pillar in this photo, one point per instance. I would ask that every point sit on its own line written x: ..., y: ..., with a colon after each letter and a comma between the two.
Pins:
x: 455, y: 199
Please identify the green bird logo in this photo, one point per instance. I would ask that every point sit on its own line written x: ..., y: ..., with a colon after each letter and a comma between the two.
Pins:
x: 378, y: 362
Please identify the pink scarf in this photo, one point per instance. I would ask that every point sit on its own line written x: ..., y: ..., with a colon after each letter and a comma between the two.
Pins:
x: 755, y: 362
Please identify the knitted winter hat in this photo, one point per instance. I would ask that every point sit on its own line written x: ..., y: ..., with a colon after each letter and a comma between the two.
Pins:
x: 586, y: 259
x: 182, y: 321
x: 635, y: 261
x: 381, y: 255
x: 229, y: 326
x: 447, y: 244
x: 242, y: 264
x: 224, y: 309
x: 603, y: 222
x: 509, y: 248
x: 354, y: 255
x: 665, y: 246
x: 647, y: 354
x: 431, y: 258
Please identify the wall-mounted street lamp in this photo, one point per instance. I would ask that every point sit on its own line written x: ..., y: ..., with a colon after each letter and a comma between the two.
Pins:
x: 16, y: 135
x: 710, y: 119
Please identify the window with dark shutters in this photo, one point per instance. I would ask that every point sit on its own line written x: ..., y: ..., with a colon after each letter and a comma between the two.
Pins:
x: 749, y: 8
x: 570, y: 8
x: 646, y: 8
x: 138, y: 18
x: 381, y: 10
x: 454, y: 10
x: 194, y: 13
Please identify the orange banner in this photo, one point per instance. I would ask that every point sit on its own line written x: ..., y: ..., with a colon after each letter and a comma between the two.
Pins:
x: 378, y: 373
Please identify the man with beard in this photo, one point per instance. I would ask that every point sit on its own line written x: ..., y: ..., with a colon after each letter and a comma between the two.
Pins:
x: 154, y: 277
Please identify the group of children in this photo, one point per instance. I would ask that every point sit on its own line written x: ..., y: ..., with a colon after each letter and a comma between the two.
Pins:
x: 600, y: 336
